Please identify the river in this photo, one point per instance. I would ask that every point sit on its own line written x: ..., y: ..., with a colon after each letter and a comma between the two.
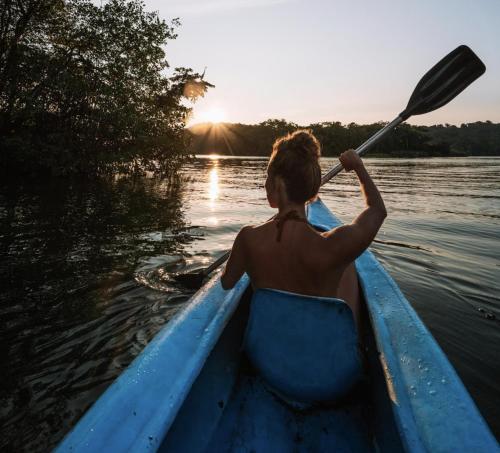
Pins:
x: 84, y: 271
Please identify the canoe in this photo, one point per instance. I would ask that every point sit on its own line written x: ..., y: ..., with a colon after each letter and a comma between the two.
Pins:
x: 192, y: 389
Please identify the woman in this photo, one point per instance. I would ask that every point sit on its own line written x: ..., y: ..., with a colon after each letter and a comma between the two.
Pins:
x: 286, y: 252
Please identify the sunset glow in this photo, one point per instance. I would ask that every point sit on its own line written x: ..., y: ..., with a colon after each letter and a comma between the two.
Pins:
x: 212, y: 115
x: 331, y: 71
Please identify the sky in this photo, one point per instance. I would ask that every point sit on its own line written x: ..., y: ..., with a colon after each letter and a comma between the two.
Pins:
x: 309, y: 61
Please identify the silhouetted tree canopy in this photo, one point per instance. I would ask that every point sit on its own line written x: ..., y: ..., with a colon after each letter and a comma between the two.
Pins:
x: 83, y: 88
x: 472, y: 139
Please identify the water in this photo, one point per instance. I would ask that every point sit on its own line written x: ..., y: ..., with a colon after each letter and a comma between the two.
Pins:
x: 84, y: 272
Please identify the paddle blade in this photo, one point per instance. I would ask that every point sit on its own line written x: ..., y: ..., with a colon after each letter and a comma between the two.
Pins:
x: 444, y: 81
x: 191, y: 281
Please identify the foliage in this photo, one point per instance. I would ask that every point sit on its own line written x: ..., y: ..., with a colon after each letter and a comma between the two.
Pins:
x: 479, y: 138
x: 83, y: 88
x: 473, y: 139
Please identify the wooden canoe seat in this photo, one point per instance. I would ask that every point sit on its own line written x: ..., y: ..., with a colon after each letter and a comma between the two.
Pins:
x: 304, y: 347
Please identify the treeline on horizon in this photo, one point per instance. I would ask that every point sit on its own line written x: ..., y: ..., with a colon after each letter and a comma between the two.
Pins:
x: 469, y: 139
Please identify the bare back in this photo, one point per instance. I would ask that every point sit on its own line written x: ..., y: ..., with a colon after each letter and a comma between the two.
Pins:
x: 300, y: 262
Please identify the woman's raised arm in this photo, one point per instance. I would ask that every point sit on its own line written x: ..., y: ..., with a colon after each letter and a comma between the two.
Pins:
x: 349, y: 241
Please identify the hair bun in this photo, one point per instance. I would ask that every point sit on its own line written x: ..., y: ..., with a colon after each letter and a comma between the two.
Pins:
x: 295, y: 158
x: 303, y: 143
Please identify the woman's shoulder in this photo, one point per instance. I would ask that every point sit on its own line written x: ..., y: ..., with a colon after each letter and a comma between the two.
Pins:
x: 250, y: 233
x: 335, y: 238
x: 331, y: 234
x: 249, y: 229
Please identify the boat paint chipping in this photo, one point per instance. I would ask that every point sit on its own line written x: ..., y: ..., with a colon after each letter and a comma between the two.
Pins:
x: 388, y: 379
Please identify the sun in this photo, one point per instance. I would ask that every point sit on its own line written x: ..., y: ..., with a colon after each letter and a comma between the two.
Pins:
x: 212, y: 115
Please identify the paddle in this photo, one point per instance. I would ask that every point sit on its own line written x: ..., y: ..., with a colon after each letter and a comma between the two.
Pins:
x: 448, y: 78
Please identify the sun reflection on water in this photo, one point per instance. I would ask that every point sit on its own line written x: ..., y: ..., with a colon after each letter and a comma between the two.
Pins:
x: 214, y: 185
x: 213, y: 221
x: 213, y: 188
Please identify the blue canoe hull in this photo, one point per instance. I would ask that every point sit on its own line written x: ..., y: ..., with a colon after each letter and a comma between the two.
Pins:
x: 191, y: 390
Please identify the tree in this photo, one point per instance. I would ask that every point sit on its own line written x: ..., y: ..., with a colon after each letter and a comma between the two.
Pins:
x: 84, y: 88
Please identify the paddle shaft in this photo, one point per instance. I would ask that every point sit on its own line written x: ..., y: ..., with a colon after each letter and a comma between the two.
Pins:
x: 222, y: 259
x: 333, y: 172
x: 364, y: 147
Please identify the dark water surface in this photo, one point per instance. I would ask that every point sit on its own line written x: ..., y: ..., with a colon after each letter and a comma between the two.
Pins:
x: 84, y: 272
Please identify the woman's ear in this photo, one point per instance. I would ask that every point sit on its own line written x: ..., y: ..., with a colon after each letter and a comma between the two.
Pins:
x: 278, y: 191
x: 272, y: 195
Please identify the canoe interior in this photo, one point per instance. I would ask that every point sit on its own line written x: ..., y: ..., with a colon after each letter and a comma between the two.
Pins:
x: 229, y: 408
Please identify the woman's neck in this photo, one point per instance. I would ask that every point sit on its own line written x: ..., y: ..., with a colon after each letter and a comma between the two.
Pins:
x: 287, y: 207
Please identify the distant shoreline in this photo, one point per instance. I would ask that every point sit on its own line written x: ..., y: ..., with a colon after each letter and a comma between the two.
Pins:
x: 406, y: 141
